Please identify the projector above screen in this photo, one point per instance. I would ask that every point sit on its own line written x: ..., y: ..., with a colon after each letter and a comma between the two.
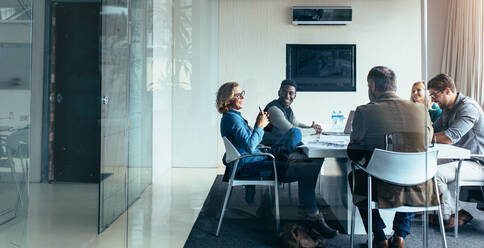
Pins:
x: 327, y: 15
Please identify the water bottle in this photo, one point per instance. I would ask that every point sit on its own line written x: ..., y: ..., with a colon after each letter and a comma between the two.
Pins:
x: 334, y: 120
x: 341, y: 119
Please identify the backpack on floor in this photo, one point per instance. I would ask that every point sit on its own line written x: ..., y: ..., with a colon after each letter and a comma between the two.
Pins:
x: 294, y: 236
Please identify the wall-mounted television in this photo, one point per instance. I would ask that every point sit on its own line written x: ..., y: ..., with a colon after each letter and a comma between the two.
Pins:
x: 322, y: 67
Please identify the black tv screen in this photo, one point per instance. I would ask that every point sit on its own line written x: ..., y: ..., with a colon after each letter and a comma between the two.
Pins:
x: 322, y: 67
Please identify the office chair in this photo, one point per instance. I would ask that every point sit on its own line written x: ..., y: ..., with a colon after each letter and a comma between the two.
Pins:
x: 399, y: 168
x: 459, y: 183
x: 233, y: 157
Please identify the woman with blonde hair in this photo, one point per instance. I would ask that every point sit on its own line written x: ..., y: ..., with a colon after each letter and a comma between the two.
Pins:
x: 418, y: 95
x: 230, y: 100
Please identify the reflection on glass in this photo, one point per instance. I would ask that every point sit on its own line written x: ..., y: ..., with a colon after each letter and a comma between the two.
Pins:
x: 15, y: 74
x: 183, y: 43
x: 114, y: 112
x: 140, y: 101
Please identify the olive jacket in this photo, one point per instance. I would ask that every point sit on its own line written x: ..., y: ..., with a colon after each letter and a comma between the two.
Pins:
x: 390, y: 114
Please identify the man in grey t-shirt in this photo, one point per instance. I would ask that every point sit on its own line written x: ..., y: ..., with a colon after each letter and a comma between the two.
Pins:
x: 284, y: 130
x: 461, y: 124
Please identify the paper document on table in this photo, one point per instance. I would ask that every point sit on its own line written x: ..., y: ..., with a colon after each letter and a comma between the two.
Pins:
x: 330, y: 141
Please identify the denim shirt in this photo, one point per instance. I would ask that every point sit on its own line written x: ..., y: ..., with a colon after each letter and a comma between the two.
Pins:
x: 242, y: 136
x: 463, y: 124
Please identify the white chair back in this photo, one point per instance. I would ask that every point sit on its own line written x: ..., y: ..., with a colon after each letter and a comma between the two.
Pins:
x: 231, y: 154
x: 403, y: 168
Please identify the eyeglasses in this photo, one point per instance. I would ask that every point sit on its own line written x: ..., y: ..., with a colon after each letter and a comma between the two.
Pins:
x: 240, y: 95
x: 435, y: 94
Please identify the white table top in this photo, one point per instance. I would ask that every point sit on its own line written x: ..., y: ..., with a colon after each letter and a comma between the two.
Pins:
x: 334, y: 146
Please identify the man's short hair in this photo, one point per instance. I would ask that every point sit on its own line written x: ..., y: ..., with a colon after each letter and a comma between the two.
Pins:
x: 441, y: 82
x: 288, y: 82
x: 384, y: 78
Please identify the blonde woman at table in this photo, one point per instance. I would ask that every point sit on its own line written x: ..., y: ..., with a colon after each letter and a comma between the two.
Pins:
x: 418, y: 95
x: 230, y: 100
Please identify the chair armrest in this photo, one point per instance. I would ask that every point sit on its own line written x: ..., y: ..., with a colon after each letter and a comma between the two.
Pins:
x: 357, y: 166
x: 258, y: 154
x: 459, y: 165
x: 255, y: 155
x: 263, y: 148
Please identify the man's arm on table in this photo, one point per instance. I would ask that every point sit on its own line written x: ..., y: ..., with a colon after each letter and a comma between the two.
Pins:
x: 463, y: 123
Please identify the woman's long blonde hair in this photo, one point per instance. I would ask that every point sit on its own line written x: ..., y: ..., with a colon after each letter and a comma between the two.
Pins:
x: 225, y: 96
x: 429, y: 101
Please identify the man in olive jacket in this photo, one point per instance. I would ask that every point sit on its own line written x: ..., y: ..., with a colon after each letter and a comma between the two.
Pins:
x: 387, y: 113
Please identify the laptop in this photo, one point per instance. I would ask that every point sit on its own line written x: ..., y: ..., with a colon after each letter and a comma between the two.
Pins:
x: 347, y: 130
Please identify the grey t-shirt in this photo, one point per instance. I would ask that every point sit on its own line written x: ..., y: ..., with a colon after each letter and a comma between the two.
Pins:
x: 281, y: 125
x: 463, y: 124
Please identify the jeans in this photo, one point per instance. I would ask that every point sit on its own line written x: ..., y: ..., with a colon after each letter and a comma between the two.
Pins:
x: 445, y: 178
x: 290, y: 140
x: 401, y: 223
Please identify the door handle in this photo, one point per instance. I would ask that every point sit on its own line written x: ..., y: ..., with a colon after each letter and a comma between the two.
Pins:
x: 59, y: 98
x: 105, y: 100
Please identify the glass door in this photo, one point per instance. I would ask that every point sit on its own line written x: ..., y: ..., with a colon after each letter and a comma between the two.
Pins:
x: 114, y: 111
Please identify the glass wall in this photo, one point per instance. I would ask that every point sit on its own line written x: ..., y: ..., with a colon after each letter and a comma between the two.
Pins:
x: 140, y: 99
x: 126, y: 168
x: 15, y: 85
x: 114, y: 111
x: 140, y: 122
x: 113, y: 85
x: 127, y: 119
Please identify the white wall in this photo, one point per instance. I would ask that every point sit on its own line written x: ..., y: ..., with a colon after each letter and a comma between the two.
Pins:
x: 254, y: 34
x: 162, y: 90
x: 437, y: 11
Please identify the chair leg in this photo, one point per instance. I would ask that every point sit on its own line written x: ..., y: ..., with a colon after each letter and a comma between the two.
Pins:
x: 442, y: 230
x: 276, y: 194
x: 319, y: 183
x: 352, y: 237
x: 289, y: 192
x: 456, y: 218
x: 269, y: 194
x: 425, y: 236
x: 13, y: 173
x: 441, y: 220
x: 227, y: 195
x: 370, y: 216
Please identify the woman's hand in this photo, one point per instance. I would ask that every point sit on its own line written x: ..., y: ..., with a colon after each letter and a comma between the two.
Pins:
x: 262, y: 120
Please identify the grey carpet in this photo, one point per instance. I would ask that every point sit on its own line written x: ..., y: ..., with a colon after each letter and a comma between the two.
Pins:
x: 242, y: 227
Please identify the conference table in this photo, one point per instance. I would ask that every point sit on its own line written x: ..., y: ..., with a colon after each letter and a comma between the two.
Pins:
x: 333, y: 181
